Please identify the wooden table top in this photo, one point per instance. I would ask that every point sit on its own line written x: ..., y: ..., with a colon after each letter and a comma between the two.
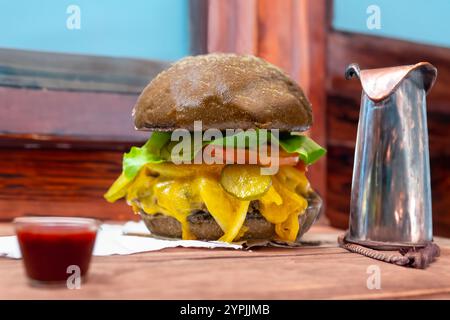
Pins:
x: 325, y: 272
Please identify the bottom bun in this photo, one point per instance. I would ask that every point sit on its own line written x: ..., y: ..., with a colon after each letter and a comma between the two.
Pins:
x: 203, y: 226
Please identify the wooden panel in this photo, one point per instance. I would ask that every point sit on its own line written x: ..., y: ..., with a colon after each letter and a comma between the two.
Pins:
x: 83, y: 115
x: 232, y: 26
x: 339, y: 181
x: 33, y: 141
x: 343, y: 99
x: 276, y: 42
x: 292, y: 35
x: 33, y: 69
x: 311, y: 69
x: 59, y: 182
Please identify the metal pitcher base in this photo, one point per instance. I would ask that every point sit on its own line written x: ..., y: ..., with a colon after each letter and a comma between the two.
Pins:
x: 378, y: 245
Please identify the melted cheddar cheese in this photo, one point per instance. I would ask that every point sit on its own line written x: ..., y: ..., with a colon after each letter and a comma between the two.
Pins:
x: 177, y: 190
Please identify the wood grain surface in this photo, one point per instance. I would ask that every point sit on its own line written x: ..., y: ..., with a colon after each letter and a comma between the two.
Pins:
x: 74, y: 72
x: 59, y: 182
x: 326, y: 272
x: 65, y: 114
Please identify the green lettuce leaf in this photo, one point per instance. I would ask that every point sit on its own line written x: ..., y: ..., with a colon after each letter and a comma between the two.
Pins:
x: 158, y: 149
x: 150, y: 152
x: 134, y: 160
x: 307, y: 149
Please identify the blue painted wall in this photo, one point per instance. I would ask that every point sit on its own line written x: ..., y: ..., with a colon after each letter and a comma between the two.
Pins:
x: 157, y: 29
x: 424, y: 21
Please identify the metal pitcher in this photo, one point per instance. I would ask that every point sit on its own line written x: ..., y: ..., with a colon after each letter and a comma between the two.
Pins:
x: 391, y: 193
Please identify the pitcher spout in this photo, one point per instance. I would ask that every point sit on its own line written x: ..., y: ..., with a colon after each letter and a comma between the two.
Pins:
x: 379, y: 83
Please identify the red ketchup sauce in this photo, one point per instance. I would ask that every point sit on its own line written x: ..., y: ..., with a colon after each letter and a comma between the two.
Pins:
x: 49, y: 245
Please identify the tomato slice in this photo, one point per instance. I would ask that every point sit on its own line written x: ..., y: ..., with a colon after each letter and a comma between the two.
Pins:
x: 226, y: 156
x: 301, y: 166
x: 289, y: 159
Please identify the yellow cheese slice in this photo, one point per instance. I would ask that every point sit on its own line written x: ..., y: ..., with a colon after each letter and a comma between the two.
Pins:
x: 180, y: 189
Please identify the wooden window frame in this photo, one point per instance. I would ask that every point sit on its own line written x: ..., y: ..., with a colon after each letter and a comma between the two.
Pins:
x: 36, y: 84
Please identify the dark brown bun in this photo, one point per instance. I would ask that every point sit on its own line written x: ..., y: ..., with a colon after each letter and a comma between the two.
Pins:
x: 203, y: 226
x: 225, y: 91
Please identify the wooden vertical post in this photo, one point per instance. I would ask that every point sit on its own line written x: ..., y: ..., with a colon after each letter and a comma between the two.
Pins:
x: 309, y: 68
x: 232, y: 26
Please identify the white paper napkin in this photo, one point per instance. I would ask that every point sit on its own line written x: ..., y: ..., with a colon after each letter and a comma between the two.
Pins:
x: 119, y: 239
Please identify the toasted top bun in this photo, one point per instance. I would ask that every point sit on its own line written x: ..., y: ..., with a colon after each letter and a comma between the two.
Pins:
x: 224, y: 91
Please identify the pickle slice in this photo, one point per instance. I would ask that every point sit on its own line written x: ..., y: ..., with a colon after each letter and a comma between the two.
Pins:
x: 245, y: 182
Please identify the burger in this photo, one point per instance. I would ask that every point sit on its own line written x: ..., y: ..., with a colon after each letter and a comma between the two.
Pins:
x: 235, y: 107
